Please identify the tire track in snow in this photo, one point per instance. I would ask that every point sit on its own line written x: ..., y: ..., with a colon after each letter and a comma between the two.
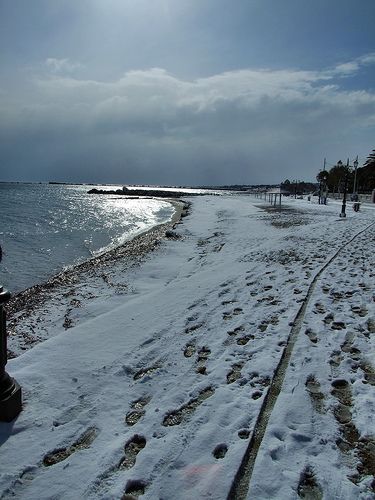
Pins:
x: 242, y: 478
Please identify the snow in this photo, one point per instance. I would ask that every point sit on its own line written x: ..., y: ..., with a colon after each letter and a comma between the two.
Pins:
x: 159, y: 385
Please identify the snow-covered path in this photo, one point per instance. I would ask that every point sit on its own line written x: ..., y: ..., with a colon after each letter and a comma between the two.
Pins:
x: 156, y: 392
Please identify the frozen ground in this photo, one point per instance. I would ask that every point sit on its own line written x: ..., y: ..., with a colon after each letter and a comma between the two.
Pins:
x: 234, y: 362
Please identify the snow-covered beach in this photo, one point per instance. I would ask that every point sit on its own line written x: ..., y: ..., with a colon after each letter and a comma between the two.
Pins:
x: 234, y: 361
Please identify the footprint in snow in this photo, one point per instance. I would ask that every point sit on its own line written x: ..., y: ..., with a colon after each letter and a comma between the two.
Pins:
x: 338, y: 325
x: 143, y: 372
x: 316, y: 396
x: 319, y: 308
x: 176, y: 417
x: 220, y: 451
x: 328, y: 318
x: 60, y: 454
x: 308, y: 486
x: 134, y: 488
x: 312, y: 335
x: 245, y: 339
x: 131, y: 449
x: 360, y: 311
x: 243, y: 433
x: 193, y: 328
x: 236, y: 330
x: 229, y: 314
x: 189, y: 350
x: 138, y: 410
x: 202, y: 357
x: 235, y: 373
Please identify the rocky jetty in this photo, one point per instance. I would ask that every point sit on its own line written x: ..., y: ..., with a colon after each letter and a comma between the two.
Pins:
x: 158, y: 193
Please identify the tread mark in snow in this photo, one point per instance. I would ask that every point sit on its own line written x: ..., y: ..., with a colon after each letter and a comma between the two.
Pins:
x: 242, y: 479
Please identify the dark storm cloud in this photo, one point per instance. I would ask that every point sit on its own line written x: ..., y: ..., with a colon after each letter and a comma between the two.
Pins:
x: 152, y: 127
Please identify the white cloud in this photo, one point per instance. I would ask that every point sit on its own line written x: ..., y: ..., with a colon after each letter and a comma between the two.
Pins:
x: 368, y: 59
x: 347, y: 68
x: 156, y: 95
x: 61, y: 65
x: 350, y: 68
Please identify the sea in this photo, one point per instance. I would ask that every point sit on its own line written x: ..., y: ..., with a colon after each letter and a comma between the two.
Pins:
x: 45, y: 228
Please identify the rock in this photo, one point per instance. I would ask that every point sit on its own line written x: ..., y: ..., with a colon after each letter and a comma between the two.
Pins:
x: 172, y: 235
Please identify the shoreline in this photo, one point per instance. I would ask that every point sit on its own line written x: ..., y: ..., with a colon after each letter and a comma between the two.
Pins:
x: 24, y: 303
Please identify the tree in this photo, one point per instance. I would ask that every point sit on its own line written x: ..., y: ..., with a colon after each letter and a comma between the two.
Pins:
x: 366, y: 174
x: 370, y: 161
x: 339, y: 173
x: 322, y: 176
x: 337, y: 176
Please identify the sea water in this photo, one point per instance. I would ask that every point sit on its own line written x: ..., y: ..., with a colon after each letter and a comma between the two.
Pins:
x: 46, y: 227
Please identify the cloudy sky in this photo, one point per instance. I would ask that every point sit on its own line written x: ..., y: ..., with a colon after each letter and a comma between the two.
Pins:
x: 192, y: 92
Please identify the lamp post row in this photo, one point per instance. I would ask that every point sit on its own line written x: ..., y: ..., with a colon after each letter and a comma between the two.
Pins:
x: 354, y: 195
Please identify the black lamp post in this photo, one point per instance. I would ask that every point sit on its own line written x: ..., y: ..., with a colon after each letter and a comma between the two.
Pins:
x: 343, y: 213
x: 10, y: 391
x: 355, y: 195
x: 324, y: 188
x: 320, y: 191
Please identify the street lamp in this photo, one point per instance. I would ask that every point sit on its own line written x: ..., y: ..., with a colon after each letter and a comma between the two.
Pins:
x: 355, y: 195
x: 320, y: 190
x: 10, y: 391
x: 324, y: 191
x: 343, y: 214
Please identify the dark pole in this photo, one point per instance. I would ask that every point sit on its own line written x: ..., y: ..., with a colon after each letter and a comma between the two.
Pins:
x: 320, y: 191
x: 10, y: 391
x: 355, y: 179
x: 343, y: 214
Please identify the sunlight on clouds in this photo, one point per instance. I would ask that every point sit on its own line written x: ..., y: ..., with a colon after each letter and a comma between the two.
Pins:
x: 157, y: 89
